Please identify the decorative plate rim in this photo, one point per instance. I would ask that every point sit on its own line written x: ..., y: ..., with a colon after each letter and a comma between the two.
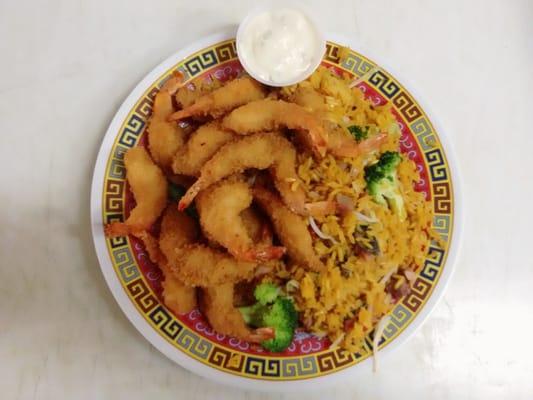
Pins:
x: 185, y: 360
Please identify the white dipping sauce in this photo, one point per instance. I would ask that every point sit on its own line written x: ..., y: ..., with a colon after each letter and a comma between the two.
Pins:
x: 279, y: 45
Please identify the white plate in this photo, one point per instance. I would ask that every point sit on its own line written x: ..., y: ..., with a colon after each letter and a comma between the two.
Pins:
x: 153, y: 334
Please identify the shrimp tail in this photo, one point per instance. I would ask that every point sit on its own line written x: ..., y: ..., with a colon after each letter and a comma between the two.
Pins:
x: 194, y: 109
x: 354, y: 149
x: 261, y: 254
x: 189, y: 196
x: 173, y: 83
x: 115, y: 229
x: 261, y: 334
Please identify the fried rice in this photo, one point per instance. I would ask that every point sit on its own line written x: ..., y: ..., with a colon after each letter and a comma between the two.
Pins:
x: 370, y: 253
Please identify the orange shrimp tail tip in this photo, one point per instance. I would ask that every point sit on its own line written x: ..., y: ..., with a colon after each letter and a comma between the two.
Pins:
x: 261, y: 334
x: 115, y: 229
x: 189, y: 196
x: 190, y: 111
x: 173, y: 83
x: 182, y: 205
x: 181, y: 114
x: 271, y: 253
x: 262, y: 255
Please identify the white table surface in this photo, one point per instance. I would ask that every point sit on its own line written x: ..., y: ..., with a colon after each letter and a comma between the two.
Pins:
x: 66, y: 66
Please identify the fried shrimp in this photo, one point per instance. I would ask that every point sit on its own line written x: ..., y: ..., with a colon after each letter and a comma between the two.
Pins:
x: 195, y: 264
x: 269, y: 115
x: 217, y: 305
x: 262, y: 151
x: 290, y: 228
x: 149, y: 188
x: 201, y: 146
x: 220, y: 210
x: 165, y: 138
x: 177, y: 230
x: 220, y: 101
x: 199, y: 265
x: 340, y: 143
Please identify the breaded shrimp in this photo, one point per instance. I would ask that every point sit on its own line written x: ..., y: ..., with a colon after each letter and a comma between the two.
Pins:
x: 340, y: 143
x: 262, y: 151
x: 290, y: 228
x: 177, y: 230
x: 200, y: 147
x: 217, y: 305
x: 269, y: 115
x: 220, y: 101
x: 219, y: 209
x: 200, y: 265
x: 149, y: 188
x: 164, y: 138
x: 195, y: 264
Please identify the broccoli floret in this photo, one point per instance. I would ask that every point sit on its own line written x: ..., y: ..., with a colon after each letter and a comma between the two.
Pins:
x: 382, y: 183
x: 358, y: 132
x: 253, y: 315
x: 175, y: 193
x: 283, y: 317
x: 273, y: 311
x: 266, y: 293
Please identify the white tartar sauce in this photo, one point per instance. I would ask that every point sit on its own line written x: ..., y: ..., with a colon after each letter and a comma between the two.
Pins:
x: 279, y: 45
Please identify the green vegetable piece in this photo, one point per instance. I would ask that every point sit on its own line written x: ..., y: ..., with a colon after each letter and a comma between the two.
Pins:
x: 273, y: 311
x: 266, y: 293
x: 283, y: 318
x: 358, y: 132
x: 382, y: 183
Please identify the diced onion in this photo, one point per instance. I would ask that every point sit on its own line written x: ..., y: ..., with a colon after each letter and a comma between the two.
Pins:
x: 337, y: 341
x: 291, y: 285
x: 378, y: 333
x: 318, y: 232
x: 410, y: 275
x: 364, y: 218
x: 388, y: 275
x: 262, y: 270
x: 366, y: 75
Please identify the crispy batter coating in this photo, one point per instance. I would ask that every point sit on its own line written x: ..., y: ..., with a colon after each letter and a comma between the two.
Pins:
x: 149, y: 188
x: 220, y: 210
x: 261, y: 151
x: 290, y: 228
x: 269, y: 115
x: 220, y: 101
x: 200, y: 265
x: 201, y: 146
x: 177, y: 229
x: 164, y: 138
